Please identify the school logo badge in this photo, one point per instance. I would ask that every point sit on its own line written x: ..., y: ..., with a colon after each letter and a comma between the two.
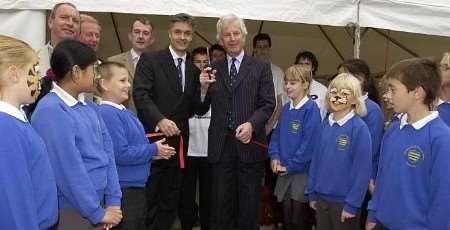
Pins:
x: 413, y: 156
x: 342, y: 142
x: 295, y: 126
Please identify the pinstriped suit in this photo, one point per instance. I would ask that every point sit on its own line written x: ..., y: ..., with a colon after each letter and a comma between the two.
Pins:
x: 237, y: 168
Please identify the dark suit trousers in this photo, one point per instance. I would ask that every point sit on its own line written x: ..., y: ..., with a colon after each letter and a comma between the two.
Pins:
x: 233, y: 179
x: 163, y: 189
x: 196, y: 167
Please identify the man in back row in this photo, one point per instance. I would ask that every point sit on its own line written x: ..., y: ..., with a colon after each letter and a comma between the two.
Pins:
x: 141, y: 38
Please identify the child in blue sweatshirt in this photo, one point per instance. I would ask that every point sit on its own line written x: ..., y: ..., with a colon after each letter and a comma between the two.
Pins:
x: 292, y: 144
x: 443, y: 105
x: 413, y: 182
x: 374, y: 117
x: 132, y: 150
x: 28, y: 198
x: 341, y: 166
x: 78, y: 143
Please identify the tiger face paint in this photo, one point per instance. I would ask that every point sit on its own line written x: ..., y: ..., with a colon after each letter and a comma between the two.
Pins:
x: 340, y: 99
x: 34, y: 80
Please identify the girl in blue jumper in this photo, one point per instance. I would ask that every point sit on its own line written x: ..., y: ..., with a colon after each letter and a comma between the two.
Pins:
x: 79, y: 146
x: 443, y: 105
x: 28, y: 198
x: 291, y: 146
x: 133, y: 152
x: 374, y: 118
x: 413, y: 181
x: 341, y: 166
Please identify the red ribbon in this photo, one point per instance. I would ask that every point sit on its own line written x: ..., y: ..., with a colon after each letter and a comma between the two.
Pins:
x: 264, y: 146
x: 180, y: 150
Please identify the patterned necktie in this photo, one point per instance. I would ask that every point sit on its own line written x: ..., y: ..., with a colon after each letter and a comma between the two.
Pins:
x: 233, y: 72
x: 180, y: 73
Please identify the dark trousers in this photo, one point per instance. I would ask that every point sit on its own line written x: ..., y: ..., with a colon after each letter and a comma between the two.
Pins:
x: 134, y: 208
x: 328, y: 216
x: 163, y: 189
x: 234, y: 179
x: 196, y: 167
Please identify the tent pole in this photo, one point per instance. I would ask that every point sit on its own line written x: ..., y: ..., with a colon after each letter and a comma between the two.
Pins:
x: 331, y: 42
x: 203, y: 38
x: 397, y: 43
x: 261, y: 24
x: 356, y: 35
x: 113, y: 19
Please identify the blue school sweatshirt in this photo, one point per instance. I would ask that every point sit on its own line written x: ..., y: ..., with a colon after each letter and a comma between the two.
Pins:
x: 375, y: 122
x: 296, y: 135
x: 413, y: 183
x: 27, y: 185
x: 340, y: 169
x: 131, y: 147
x: 444, y: 112
x: 80, y: 151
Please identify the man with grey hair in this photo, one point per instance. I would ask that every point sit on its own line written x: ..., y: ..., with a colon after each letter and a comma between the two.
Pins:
x: 166, y: 90
x: 90, y: 31
x: 242, y: 100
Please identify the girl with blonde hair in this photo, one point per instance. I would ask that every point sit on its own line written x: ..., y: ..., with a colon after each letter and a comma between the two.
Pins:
x: 341, y: 167
x: 27, y: 184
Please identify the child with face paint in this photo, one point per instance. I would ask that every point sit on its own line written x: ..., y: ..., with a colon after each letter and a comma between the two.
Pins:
x: 78, y: 142
x: 132, y: 150
x: 341, y: 166
x: 27, y: 185
x: 413, y: 181
x: 374, y: 118
x: 292, y: 146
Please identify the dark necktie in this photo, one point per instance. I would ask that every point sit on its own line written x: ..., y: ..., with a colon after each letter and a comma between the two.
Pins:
x: 233, y: 72
x: 180, y: 73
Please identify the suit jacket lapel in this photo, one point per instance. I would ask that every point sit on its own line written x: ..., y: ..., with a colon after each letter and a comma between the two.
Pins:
x: 243, y: 70
x: 223, y: 68
x: 171, y: 71
x: 130, y: 63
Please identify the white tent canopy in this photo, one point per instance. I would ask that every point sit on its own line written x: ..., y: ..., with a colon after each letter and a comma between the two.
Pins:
x: 322, y: 12
x: 416, y: 16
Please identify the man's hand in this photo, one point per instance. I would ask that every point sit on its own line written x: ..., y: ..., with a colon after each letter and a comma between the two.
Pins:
x: 168, y: 127
x: 164, y: 150
x: 244, y: 132
x: 207, y: 76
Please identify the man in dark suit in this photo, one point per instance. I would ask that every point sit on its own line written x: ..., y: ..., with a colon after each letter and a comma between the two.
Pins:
x: 241, y: 94
x: 166, y: 90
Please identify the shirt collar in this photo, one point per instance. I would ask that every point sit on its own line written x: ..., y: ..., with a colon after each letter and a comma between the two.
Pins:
x: 343, y: 120
x: 66, y: 97
x: 115, y: 105
x: 13, y: 111
x: 420, y: 123
x: 365, y: 96
x: 175, y: 55
x: 134, y: 55
x: 238, y: 58
x: 299, y: 105
x: 440, y: 101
